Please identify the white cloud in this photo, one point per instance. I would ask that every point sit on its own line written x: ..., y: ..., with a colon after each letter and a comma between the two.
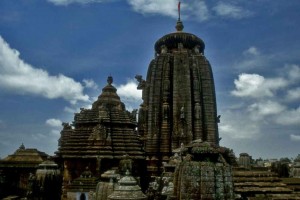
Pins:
x: 238, y: 125
x: 89, y: 83
x: 289, y: 117
x: 198, y: 10
x: 194, y: 8
x: 67, y: 2
x: 231, y: 11
x: 54, y: 123
x: 256, y: 86
x: 71, y: 110
x: 129, y: 91
x: 252, y: 51
x: 166, y: 7
x: 293, y: 72
x: 266, y: 108
x: 130, y: 95
x: 293, y: 94
x: 252, y: 58
x: 55, y: 132
x: 295, y: 137
x: 19, y: 77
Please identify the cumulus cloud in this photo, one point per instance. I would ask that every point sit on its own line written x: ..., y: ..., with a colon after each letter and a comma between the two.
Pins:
x: 266, y: 108
x: 294, y: 137
x: 89, y: 83
x: 70, y: 109
x: 166, y: 7
x: 194, y: 9
x: 293, y: 94
x: 256, y: 86
x: 55, y: 133
x: 293, y: 72
x: 17, y: 76
x: 67, y: 2
x: 268, y: 102
x: 289, y: 117
x: 252, y: 51
x: 129, y: 94
x: 198, y: 10
x: 237, y: 125
x: 228, y: 10
x: 54, y: 123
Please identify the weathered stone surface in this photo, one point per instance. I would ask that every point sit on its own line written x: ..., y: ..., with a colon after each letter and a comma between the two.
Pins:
x: 127, y: 189
x: 99, y: 138
x: 179, y: 97
x: 263, y: 185
x: 16, y: 170
x: 204, y: 173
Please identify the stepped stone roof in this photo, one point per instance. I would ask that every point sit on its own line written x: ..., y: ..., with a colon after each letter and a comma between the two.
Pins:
x: 127, y: 189
x: 107, y: 130
x: 24, y: 158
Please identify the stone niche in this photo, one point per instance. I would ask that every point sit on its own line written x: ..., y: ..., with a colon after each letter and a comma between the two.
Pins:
x: 204, y: 173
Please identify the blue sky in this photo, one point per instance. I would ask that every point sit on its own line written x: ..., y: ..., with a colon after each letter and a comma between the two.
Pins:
x: 55, y: 56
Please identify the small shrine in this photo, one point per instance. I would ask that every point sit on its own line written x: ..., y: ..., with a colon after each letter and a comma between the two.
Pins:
x: 99, y: 138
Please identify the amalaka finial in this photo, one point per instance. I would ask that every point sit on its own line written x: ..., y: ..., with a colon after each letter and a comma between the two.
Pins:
x: 179, y: 26
x: 22, y: 146
x: 110, y: 80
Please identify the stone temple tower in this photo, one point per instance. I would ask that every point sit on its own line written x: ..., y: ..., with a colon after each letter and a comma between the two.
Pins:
x: 179, y: 102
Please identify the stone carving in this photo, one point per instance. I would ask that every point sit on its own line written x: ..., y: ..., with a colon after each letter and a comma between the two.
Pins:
x: 164, y: 49
x: 166, y: 110
x: 196, y: 49
x: 141, y: 81
x: 182, y: 113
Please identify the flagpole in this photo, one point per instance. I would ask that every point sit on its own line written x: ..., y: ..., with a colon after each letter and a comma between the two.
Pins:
x: 179, y: 10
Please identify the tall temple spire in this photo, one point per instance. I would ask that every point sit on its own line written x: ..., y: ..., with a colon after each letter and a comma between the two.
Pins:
x: 179, y: 102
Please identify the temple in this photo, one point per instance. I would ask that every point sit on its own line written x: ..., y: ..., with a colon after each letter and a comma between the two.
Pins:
x: 171, y: 152
x: 179, y: 102
x: 16, y: 169
x: 99, y: 138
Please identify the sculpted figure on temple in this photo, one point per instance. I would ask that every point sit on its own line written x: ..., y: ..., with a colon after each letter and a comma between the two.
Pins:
x: 125, y: 164
x: 134, y: 113
x: 180, y: 46
x: 218, y: 118
x: 166, y: 110
x: 197, y: 111
x: 66, y: 125
x: 164, y: 49
x: 182, y: 112
x: 196, y: 49
x: 141, y: 81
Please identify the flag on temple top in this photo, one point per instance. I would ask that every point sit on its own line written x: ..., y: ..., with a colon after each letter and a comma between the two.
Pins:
x: 179, y: 10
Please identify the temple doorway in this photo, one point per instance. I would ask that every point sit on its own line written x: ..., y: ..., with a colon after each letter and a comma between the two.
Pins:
x: 82, y: 196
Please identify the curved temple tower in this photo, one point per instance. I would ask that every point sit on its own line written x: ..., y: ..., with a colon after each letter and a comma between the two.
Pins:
x: 179, y: 102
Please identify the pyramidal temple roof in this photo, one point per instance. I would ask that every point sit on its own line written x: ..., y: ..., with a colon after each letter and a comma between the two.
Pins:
x: 107, y: 130
x: 24, y: 157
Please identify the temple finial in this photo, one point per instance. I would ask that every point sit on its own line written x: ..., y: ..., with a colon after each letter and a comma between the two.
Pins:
x: 110, y: 80
x: 179, y: 26
x: 179, y: 10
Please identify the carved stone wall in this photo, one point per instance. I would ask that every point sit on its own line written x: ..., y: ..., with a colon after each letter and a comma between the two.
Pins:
x: 179, y: 102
